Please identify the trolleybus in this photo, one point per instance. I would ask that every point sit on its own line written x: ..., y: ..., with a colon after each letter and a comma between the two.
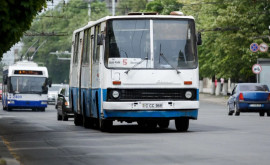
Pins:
x: 25, y: 86
x: 135, y: 68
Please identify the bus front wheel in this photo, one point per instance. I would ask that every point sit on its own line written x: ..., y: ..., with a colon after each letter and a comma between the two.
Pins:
x: 182, y: 124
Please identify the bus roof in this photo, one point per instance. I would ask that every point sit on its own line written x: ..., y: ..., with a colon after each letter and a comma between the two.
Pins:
x: 26, y: 66
x: 91, y: 23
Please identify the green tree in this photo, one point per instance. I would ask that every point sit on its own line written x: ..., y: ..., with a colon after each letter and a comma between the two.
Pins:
x: 229, y: 27
x: 163, y: 6
x: 126, y: 6
x: 63, y: 19
x: 16, y: 18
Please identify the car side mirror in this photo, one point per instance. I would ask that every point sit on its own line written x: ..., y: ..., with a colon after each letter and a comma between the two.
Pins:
x: 49, y: 82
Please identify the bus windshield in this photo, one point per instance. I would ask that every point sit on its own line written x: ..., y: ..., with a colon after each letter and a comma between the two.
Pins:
x: 129, y: 44
x: 28, y: 85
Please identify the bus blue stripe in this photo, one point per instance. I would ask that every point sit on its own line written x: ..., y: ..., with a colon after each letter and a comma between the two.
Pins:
x: 151, y: 114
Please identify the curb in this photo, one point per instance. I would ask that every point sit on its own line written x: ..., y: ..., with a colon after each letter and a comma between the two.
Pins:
x: 5, y: 156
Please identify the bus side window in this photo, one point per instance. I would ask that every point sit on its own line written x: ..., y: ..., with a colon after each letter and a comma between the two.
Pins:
x: 96, y: 46
x: 76, y: 48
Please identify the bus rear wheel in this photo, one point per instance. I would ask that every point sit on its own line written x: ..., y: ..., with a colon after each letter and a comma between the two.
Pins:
x: 106, y: 125
x: 182, y: 124
x: 78, y: 119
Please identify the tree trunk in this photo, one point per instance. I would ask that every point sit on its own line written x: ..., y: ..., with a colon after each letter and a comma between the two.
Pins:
x: 201, y: 85
x: 218, y: 88
x: 213, y: 87
x: 225, y: 87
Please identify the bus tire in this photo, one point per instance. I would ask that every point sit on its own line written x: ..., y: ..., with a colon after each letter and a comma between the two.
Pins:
x: 106, y: 125
x: 181, y: 124
x: 77, y: 119
x: 163, y: 123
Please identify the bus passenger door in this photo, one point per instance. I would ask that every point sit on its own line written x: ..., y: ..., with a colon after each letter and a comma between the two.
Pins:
x: 95, y: 92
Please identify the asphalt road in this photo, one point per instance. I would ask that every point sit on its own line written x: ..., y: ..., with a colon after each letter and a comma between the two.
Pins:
x: 37, y: 138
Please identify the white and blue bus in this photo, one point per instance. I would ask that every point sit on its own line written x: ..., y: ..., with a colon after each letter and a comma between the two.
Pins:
x: 135, y: 68
x: 25, y: 86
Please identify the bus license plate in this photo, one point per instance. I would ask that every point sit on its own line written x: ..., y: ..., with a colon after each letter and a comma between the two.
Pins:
x: 152, y: 105
x: 255, y: 105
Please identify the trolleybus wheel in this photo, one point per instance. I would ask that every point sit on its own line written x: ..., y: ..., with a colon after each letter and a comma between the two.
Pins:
x: 182, y: 124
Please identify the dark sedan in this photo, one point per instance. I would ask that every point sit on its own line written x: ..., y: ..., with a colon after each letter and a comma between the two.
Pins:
x: 64, y: 110
x: 249, y: 97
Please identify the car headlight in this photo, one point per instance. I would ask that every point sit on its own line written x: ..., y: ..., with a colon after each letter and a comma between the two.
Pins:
x: 188, y: 94
x: 115, y: 94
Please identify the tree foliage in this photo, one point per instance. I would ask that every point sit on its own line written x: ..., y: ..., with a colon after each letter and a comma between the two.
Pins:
x: 63, y: 19
x: 228, y: 28
x: 126, y: 6
x: 163, y: 6
x: 16, y: 18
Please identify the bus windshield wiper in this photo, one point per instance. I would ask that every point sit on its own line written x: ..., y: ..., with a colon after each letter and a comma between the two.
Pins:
x: 165, y: 59
x: 146, y: 58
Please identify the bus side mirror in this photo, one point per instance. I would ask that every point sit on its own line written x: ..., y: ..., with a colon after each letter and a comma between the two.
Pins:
x: 5, y: 79
x: 49, y: 82
x: 199, y: 38
x: 100, y: 38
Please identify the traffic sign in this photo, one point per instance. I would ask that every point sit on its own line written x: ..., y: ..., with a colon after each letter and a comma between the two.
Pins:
x: 254, y: 47
x: 263, y: 47
x: 256, y: 68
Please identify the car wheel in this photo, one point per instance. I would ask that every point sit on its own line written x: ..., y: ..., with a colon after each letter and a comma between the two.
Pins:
x: 59, y: 117
x: 163, y: 123
x: 262, y: 114
x: 268, y: 114
x: 65, y: 117
x: 182, y: 124
x: 230, y: 113
x: 236, y: 111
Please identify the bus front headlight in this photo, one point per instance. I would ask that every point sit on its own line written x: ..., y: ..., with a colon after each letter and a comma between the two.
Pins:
x: 115, y: 94
x: 11, y: 102
x: 188, y: 94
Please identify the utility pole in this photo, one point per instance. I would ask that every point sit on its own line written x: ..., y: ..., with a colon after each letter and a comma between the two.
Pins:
x: 113, y: 7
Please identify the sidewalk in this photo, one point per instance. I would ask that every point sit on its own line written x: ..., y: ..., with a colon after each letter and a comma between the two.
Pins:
x: 213, y: 98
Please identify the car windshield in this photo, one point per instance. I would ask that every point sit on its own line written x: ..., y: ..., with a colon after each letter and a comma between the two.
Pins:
x: 28, y: 84
x: 253, y: 88
x: 145, y: 43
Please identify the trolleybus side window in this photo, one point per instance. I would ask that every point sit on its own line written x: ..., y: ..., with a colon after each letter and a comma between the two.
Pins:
x: 76, y: 48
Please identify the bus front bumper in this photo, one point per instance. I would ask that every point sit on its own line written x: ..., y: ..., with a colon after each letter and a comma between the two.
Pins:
x: 151, y: 109
x: 26, y: 104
